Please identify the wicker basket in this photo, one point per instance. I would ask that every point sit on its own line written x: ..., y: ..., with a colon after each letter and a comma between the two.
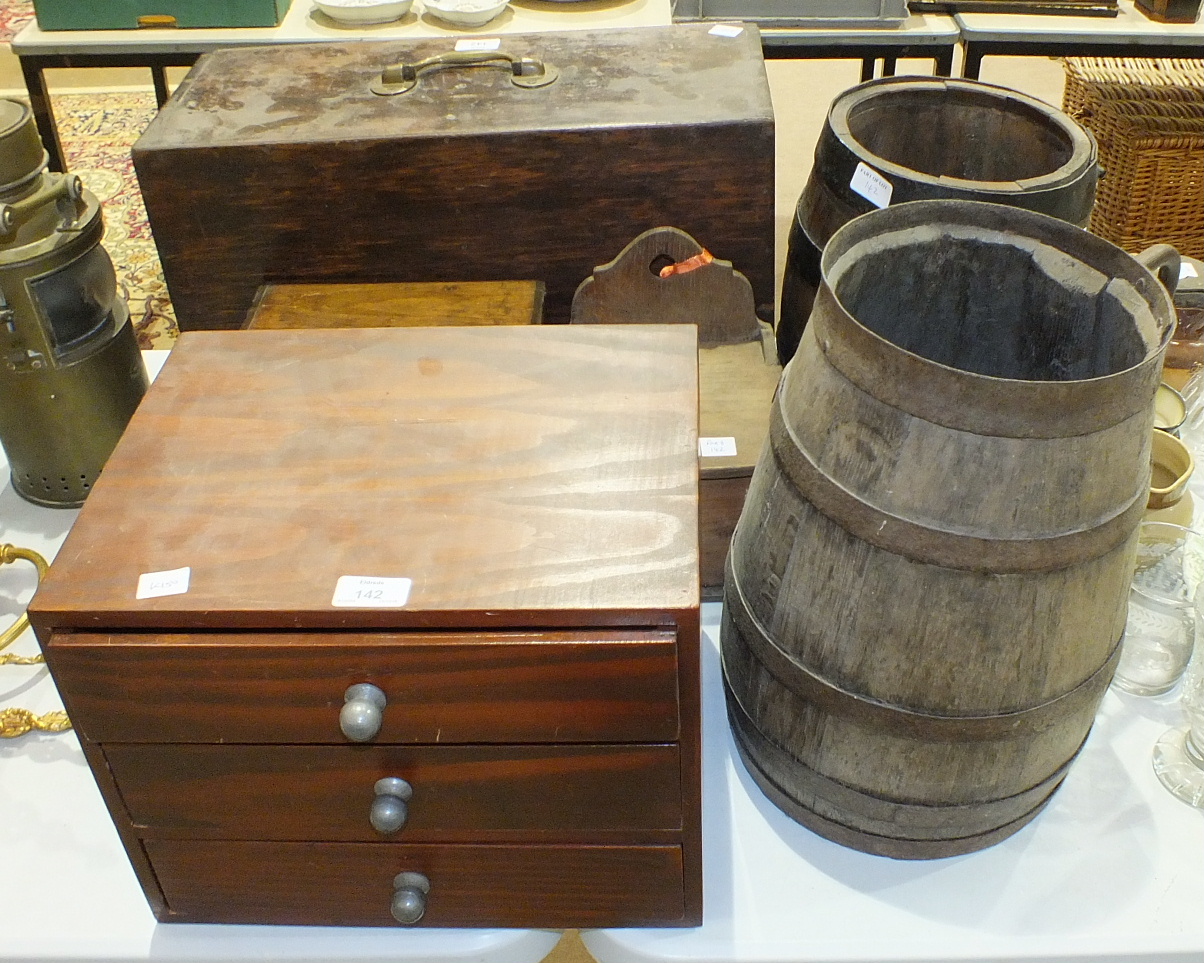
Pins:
x: 1148, y: 116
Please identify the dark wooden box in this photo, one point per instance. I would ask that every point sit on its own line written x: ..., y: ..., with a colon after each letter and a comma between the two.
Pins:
x: 538, y: 485
x: 281, y: 165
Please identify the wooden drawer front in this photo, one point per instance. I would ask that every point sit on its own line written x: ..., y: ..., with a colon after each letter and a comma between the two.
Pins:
x: 337, y: 884
x: 443, y: 688
x: 459, y: 792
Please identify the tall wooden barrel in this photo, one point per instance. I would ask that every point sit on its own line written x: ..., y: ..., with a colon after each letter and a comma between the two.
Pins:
x: 926, y: 589
x: 918, y: 138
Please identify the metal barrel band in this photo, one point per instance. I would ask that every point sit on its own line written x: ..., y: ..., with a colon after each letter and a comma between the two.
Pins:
x: 816, y: 690
x: 771, y: 757
x: 979, y: 403
x: 906, y: 538
x: 747, y: 742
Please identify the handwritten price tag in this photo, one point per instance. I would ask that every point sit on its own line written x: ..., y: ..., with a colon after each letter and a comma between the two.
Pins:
x: 716, y: 447
x: 367, y: 592
x: 153, y: 585
x: 479, y: 43
x: 871, y: 185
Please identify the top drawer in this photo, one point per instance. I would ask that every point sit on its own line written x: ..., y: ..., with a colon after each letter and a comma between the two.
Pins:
x: 440, y: 687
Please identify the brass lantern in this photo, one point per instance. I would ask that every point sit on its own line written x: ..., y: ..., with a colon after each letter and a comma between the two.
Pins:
x: 72, y: 373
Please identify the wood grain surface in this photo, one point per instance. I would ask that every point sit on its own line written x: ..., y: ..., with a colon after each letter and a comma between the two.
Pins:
x: 453, y: 687
x: 539, y: 487
x: 518, y: 475
x: 925, y: 603
x: 397, y: 305
x: 631, y: 290
x: 340, y: 884
x: 932, y: 138
x: 293, y: 171
x: 461, y: 793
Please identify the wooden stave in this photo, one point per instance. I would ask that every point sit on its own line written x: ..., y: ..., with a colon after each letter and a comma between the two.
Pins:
x: 1111, y: 557
x: 826, y: 202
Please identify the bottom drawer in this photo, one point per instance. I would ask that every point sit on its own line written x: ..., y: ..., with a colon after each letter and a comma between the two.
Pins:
x: 351, y: 884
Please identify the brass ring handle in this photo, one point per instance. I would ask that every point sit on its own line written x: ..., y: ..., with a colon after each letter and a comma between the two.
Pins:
x: 16, y: 722
x: 10, y: 553
x: 524, y: 71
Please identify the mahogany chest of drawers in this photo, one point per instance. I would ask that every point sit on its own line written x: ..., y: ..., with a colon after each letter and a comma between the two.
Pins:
x: 434, y: 659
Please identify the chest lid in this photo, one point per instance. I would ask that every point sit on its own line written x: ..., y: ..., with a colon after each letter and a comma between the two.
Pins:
x: 518, y: 476
x: 321, y: 92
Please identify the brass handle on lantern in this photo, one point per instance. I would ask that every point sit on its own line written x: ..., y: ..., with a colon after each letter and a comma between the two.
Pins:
x: 17, y: 722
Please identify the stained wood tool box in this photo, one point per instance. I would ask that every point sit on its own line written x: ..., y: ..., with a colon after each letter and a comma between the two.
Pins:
x: 304, y: 163
x: 511, y: 740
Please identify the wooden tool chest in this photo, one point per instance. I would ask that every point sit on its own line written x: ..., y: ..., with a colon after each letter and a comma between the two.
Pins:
x: 300, y: 736
x: 303, y: 164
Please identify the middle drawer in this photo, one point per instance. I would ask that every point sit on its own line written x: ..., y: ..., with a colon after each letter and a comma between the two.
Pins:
x: 459, y: 792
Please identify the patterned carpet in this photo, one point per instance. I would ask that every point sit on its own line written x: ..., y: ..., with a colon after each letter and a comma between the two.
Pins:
x: 97, y: 131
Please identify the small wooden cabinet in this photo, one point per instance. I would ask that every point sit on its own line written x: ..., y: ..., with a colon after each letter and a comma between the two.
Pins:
x: 513, y: 743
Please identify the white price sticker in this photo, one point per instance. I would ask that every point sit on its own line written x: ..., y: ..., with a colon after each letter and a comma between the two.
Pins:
x: 153, y: 585
x: 716, y: 447
x: 726, y: 30
x: 479, y: 43
x: 369, y: 592
x: 871, y: 185
x: 1187, y: 270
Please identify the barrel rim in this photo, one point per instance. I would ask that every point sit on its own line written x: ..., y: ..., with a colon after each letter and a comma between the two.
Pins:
x: 1082, y: 162
x: 932, y: 390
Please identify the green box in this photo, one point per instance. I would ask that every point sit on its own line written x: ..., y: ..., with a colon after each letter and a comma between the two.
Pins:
x: 132, y: 14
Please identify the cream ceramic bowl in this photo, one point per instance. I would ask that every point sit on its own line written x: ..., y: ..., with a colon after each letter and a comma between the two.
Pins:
x: 1172, y: 468
x: 465, y: 13
x: 364, y: 11
x: 1169, y: 409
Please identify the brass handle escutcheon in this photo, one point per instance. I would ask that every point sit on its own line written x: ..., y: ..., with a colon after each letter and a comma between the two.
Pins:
x: 524, y: 71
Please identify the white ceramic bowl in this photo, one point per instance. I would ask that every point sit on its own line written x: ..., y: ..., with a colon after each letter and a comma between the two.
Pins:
x: 466, y: 13
x: 364, y: 11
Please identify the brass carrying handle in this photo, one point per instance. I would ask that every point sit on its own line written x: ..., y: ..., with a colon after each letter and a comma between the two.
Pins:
x: 524, y: 71
x: 16, y: 722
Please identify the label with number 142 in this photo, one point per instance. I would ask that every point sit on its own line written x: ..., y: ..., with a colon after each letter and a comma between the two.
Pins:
x: 371, y: 592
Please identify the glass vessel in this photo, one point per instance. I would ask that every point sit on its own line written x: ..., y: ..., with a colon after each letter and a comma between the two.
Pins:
x: 1179, y: 753
x: 1163, y: 617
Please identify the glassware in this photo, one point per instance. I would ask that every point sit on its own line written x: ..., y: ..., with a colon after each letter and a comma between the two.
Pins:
x: 1179, y: 753
x: 1163, y: 617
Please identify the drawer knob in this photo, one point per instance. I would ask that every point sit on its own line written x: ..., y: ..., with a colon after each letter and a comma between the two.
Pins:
x: 362, y: 711
x: 409, y: 897
x: 389, y: 810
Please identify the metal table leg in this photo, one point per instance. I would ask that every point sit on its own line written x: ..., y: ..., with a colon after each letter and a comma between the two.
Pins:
x: 43, y: 112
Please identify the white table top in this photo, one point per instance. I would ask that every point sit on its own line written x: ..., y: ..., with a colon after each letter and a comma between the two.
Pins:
x: 69, y: 893
x: 1129, y: 26
x: 917, y: 29
x: 304, y: 23
x: 1111, y: 871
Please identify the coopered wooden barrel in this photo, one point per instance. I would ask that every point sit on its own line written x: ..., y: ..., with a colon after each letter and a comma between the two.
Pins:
x: 926, y: 589
x: 919, y: 138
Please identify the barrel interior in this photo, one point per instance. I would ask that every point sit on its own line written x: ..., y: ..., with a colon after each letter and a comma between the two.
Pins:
x: 994, y: 304
x: 956, y: 132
